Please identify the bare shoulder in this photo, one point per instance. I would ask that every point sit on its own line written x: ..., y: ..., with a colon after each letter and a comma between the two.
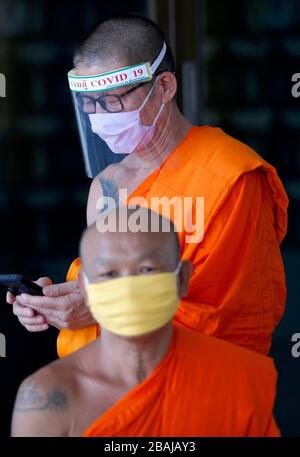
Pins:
x: 95, y: 193
x: 103, y: 185
x: 42, y: 405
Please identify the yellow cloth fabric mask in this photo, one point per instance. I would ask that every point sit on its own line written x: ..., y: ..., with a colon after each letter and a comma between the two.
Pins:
x: 134, y: 305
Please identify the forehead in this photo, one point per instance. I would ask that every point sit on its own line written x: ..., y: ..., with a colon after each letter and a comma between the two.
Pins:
x: 99, y: 68
x: 120, y: 245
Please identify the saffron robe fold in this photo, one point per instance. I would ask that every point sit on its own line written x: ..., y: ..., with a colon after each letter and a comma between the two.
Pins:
x: 237, y: 290
x: 203, y: 387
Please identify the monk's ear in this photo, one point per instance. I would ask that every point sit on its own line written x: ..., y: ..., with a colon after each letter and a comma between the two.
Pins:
x: 184, y: 277
x: 168, y: 84
x: 83, y: 281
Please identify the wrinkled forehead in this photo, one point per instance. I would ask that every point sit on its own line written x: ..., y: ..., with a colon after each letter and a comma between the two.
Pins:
x: 114, y: 241
x: 120, y: 246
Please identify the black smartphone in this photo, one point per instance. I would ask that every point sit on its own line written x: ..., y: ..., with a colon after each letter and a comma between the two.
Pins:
x: 18, y: 284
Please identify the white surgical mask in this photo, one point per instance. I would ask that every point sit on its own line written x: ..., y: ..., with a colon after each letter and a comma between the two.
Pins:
x: 124, y: 132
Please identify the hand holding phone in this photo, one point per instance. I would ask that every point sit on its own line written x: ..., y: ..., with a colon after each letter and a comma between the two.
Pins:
x: 18, y: 284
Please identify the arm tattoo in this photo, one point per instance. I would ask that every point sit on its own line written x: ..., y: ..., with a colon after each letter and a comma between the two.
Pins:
x: 110, y: 189
x: 30, y: 399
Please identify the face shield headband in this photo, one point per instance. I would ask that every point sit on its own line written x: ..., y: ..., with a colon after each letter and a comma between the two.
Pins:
x: 118, y: 78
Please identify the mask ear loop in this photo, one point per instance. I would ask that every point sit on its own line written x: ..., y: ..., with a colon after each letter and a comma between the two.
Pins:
x: 176, y: 271
x: 148, y: 95
x: 154, y: 66
x: 178, y: 268
x: 158, y: 114
x: 85, y: 278
x: 147, y: 98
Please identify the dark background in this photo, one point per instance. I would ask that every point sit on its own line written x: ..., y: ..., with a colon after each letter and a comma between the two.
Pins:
x: 235, y: 61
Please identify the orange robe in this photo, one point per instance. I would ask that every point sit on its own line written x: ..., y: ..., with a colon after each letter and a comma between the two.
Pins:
x: 203, y: 387
x: 237, y: 290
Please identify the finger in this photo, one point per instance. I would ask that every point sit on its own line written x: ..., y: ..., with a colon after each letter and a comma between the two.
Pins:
x: 61, y: 321
x: 10, y: 298
x: 57, y: 290
x: 36, y: 320
x: 44, y: 281
x: 22, y: 311
x: 37, y: 328
x: 57, y: 318
x: 39, y: 303
x: 48, y: 315
x: 51, y: 315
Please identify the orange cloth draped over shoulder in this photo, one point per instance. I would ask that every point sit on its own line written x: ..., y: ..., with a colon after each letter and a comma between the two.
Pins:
x: 237, y: 290
x: 233, y: 394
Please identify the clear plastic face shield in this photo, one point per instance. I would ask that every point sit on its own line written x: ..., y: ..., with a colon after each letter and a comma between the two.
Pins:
x: 108, y: 107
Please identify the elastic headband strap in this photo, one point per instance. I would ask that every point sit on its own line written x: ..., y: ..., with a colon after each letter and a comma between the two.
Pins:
x: 159, y: 58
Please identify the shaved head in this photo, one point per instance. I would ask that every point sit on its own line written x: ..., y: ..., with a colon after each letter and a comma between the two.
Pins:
x: 127, y: 38
x: 129, y: 252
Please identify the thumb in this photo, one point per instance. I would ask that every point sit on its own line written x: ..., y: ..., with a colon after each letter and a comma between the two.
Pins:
x: 44, y: 281
x: 10, y: 298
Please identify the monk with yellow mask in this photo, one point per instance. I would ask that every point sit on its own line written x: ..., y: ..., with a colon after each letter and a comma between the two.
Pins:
x: 145, y: 375
x: 233, y: 201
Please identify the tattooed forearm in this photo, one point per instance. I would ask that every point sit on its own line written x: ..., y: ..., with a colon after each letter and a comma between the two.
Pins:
x: 30, y: 399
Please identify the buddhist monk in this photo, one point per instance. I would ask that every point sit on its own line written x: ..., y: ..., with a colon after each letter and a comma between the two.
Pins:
x: 237, y: 289
x: 145, y: 375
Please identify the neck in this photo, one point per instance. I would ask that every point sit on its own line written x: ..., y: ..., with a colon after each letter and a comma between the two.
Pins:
x: 170, y: 132
x: 132, y: 360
